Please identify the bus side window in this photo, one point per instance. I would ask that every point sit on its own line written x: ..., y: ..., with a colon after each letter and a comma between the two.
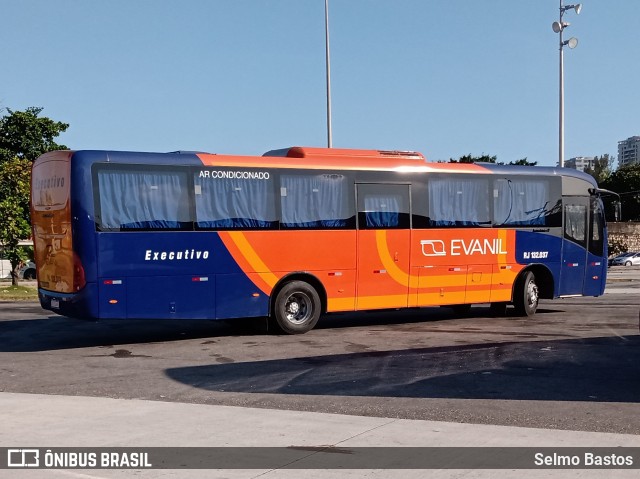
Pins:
x: 132, y: 199
x: 318, y: 201
x: 383, y: 206
x: 460, y: 200
x: 596, y: 245
x: 526, y: 201
x: 234, y: 203
x: 520, y: 202
x: 575, y: 223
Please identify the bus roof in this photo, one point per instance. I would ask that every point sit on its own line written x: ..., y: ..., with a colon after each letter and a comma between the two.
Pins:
x: 340, y: 159
x: 322, y: 158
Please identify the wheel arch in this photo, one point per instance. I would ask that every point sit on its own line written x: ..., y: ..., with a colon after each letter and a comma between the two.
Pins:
x: 305, y: 276
x: 544, y: 280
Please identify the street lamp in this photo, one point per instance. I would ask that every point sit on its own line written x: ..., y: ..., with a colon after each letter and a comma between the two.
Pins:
x: 328, y: 66
x: 559, y: 27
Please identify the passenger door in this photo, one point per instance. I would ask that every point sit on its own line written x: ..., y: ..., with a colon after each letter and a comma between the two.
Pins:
x: 596, y: 272
x: 574, y: 248
x: 383, y: 245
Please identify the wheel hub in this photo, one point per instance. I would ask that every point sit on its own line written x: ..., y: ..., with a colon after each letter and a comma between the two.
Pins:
x: 532, y: 294
x: 298, y: 308
x: 294, y: 307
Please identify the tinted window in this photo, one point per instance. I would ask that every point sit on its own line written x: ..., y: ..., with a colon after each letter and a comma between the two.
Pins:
x: 524, y: 202
x: 460, y: 200
x: 596, y: 243
x: 136, y: 199
x: 575, y: 223
x: 316, y: 201
x: 383, y: 206
x: 234, y: 200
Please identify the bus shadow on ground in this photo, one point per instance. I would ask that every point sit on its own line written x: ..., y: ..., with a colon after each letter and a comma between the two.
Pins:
x: 594, y: 369
x: 54, y: 333
x: 57, y: 332
x: 418, y: 315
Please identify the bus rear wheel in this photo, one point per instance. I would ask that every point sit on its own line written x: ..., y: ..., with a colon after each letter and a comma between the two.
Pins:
x: 526, y: 295
x: 296, y: 309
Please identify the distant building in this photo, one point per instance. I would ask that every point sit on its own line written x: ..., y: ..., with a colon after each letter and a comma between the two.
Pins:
x: 580, y: 162
x: 629, y: 151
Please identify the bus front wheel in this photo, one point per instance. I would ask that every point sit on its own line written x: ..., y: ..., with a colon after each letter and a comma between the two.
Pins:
x: 526, y: 295
x: 297, y: 308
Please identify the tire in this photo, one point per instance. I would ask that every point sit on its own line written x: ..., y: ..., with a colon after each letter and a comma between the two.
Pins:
x: 30, y: 274
x: 628, y: 263
x: 526, y: 295
x: 296, y: 309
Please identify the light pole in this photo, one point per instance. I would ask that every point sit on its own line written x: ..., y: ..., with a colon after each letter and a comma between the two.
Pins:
x: 328, y: 63
x: 559, y: 27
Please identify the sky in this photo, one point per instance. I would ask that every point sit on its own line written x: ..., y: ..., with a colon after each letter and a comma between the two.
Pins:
x: 445, y: 78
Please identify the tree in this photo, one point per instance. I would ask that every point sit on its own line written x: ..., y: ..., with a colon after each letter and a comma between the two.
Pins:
x: 14, y: 209
x: 626, y: 182
x: 474, y: 159
x: 601, y: 170
x: 523, y: 162
x: 23, y: 137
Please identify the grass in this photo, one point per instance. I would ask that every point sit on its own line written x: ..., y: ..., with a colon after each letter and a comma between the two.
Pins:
x: 17, y: 293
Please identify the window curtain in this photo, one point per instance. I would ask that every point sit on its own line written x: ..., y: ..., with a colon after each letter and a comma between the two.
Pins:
x: 459, y: 202
x: 382, y: 211
x: 318, y: 201
x: 143, y: 200
x: 234, y: 203
x: 520, y: 202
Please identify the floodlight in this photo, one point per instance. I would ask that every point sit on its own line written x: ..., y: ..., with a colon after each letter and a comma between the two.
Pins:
x: 577, y: 7
x: 558, y: 27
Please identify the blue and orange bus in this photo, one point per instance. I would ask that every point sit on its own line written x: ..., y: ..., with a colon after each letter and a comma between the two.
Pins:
x: 300, y: 232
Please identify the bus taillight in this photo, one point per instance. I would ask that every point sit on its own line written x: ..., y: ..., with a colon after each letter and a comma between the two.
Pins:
x: 78, y: 274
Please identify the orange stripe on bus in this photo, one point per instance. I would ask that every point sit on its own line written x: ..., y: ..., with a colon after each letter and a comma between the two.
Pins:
x: 399, y: 276
x: 248, y: 260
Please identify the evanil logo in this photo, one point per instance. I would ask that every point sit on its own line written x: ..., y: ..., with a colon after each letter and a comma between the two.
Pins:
x: 459, y: 247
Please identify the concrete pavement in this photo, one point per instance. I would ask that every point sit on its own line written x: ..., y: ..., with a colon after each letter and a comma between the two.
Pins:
x: 30, y: 420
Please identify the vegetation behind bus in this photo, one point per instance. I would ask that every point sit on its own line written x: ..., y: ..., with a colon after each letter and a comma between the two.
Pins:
x: 24, y: 136
x: 626, y: 182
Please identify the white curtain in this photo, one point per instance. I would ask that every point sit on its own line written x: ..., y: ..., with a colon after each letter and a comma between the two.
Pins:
x: 382, y: 211
x: 459, y: 201
x: 520, y: 202
x: 132, y: 199
x: 315, y: 201
x: 234, y: 203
